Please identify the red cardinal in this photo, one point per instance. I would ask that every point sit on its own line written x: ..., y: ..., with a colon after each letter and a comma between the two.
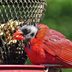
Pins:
x: 45, y: 46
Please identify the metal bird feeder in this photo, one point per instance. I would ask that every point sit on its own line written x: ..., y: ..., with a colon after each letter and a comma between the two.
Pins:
x: 12, y: 14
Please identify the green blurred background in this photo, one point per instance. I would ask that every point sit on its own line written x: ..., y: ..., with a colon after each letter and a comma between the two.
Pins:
x: 58, y: 16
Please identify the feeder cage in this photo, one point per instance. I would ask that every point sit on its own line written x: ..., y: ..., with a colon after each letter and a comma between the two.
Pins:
x: 13, y: 14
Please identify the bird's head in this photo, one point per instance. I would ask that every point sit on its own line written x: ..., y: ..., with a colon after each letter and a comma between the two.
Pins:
x: 26, y: 32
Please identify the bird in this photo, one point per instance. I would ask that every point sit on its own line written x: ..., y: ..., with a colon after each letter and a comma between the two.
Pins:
x: 45, y: 45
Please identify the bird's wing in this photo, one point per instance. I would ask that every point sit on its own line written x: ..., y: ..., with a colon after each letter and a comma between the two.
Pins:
x: 61, y: 47
x: 66, y: 51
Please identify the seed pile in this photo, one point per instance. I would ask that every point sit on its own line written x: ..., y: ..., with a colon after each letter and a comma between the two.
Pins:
x: 11, y: 51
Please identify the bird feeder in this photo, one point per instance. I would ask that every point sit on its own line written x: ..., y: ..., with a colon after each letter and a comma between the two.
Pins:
x: 14, y: 13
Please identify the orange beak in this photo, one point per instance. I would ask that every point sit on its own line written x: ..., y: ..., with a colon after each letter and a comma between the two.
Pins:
x: 18, y: 35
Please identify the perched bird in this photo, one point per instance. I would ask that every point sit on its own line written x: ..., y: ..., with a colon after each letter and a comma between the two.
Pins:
x: 45, y: 45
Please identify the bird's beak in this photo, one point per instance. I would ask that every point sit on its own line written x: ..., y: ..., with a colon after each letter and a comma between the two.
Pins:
x: 18, y: 35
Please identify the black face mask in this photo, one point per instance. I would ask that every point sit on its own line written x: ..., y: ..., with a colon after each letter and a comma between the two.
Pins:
x: 25, y: 31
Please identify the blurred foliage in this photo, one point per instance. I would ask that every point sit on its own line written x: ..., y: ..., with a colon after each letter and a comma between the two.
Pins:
x: 58, y: 16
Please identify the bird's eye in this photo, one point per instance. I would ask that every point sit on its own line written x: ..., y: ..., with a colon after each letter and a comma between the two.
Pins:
x: 32, y: 34
x: 25, y: 31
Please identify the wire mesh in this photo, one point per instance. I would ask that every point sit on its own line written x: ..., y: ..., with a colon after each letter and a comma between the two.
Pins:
x: 14, y: 13
x: 21, y: 9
